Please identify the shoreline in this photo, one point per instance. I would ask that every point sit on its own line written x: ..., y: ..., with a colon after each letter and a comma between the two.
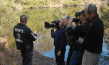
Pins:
x: 12, y: 56
x: 46, y: 6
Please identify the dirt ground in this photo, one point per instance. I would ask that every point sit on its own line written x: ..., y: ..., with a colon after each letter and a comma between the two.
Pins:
x: 39, y: 59
x: 10, y: 56
x: 14, y: 58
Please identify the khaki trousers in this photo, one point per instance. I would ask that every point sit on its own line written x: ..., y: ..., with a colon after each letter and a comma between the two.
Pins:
x: 90, y: 58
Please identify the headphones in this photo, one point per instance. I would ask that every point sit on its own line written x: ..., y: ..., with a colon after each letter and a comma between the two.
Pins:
x: 89, y: 12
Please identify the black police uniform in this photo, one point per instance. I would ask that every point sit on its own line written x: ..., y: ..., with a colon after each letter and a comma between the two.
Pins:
x: 24, y: 41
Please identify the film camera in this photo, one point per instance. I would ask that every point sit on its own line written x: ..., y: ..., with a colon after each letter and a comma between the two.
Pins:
x: 56, y: 22
x: 54, y: 25
x: 77, y: 14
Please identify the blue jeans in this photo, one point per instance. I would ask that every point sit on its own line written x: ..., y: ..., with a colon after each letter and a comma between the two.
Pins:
x: 27, y: 57
x: 76, y: 58
x: 69, y: 55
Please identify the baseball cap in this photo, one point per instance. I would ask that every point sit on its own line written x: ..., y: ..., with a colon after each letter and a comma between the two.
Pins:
x: 78, y: 13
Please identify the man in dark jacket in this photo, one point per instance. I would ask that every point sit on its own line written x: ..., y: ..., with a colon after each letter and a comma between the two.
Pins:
x: 68, y: 39
x: 59, y: 43
x: 79, y: 30
x: 94, y: 37
x: 24, y: 40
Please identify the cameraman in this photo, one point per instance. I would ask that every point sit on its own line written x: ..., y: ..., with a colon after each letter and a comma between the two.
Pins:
x: 59, y: 43
x: 79, y: 31
x: 68, y: 39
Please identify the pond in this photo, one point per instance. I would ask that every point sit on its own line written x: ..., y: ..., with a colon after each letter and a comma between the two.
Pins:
x: 44, y: 44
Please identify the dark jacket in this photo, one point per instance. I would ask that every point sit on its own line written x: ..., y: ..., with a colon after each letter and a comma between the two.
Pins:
x: 69, y: 37
x: 78, y: 31
x: 23, y: 37
x: 94, y: 36
x: 59, y: 38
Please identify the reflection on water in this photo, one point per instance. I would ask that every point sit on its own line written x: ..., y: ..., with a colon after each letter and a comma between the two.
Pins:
x: 52, y: 55
x: 104, y: 55
x: 102, y: 59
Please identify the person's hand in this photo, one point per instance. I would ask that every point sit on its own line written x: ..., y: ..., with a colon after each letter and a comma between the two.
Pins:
x: 70, y: 22
x: 81, y: 40
x: 35, y: 32
x: 59, y: 53
x: 71, y: 19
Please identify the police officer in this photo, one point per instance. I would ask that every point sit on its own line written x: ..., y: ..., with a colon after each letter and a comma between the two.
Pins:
x: 68, y: 39
x: 24, y: 40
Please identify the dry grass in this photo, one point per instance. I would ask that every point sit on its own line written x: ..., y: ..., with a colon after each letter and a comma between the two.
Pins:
x: 10, y: 56
x: 2, y: 43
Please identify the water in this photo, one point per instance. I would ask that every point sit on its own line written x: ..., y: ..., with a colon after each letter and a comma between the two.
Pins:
x: 102, y: 61
x: 52, y: 55
x: 104, y: 55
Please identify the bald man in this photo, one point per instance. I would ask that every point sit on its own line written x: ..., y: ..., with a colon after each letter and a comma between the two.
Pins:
x: 94, y: 37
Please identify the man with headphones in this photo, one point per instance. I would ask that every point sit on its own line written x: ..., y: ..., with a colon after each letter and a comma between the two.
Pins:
x: 94, y: 37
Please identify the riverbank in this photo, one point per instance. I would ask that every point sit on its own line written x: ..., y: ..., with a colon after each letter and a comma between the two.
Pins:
x: 11, y: 56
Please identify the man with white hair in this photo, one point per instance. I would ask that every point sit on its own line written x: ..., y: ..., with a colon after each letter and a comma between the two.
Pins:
x: 94, y: 37
x: 69, y: 39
